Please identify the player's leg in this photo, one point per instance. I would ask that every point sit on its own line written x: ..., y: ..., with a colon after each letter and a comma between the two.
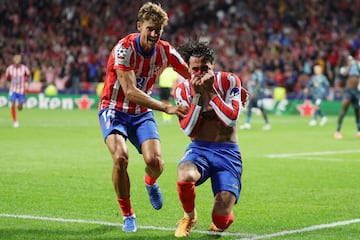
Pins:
x: 247, y: 124
x: 12, y: 99
x: 188, y: 175
x: 267, y: 125
x: 344, y: 108
x: 322, y: 115
x: 357, y: 120
x: 114, y: 135
x: 144, y: 135
x: 222, y: 214
x: 226, y: 185
x: 118, y: 149
x: 260, y: 105
x: 13, y: 113
x: 154, y: 167
x: 21, y: 101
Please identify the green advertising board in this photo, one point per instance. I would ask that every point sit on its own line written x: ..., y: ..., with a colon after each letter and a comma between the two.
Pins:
x: 90, y: 101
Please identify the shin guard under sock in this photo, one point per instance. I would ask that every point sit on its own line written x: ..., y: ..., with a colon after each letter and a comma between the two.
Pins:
x: 187, y: 194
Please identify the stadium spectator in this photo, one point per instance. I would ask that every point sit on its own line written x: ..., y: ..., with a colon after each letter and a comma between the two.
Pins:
x: 75, y: 76
x: 351, y: 95
x: 319, y: 87
x: 125, y: 107
x: 214, y: 101
x: 18, y: 75
x: 280, y: 31
x: 256, y: 87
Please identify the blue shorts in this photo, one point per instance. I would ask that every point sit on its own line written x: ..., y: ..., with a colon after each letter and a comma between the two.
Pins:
x: 137, y: 128
x: 20, y: 97
x: 221, y: 162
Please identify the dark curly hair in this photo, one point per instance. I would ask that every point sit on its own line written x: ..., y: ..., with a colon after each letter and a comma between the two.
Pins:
x: 196, y: 49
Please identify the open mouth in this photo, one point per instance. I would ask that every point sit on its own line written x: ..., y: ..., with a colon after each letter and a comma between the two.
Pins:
x: 153, y: 40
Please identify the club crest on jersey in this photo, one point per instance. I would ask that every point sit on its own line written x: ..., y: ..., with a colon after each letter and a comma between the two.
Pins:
x: 235, y: 92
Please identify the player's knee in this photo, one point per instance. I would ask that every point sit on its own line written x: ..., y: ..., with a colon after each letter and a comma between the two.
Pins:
x: 155, y: 165
x: 188, y: 172
x: 120, y: 161
x: 223, y: 222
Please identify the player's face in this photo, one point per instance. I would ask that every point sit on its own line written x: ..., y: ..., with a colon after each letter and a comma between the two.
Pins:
x: 17, y: 59
x: 150, y: 34
x: 197, y: 64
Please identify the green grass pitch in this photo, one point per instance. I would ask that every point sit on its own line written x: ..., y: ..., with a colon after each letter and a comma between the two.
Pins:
x: 55, y: 181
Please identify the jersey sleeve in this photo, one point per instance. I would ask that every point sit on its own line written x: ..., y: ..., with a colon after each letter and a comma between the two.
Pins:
x: 122, y: 54
x: 227, y: 107
x: 178, y: 63
x: 182, y: 96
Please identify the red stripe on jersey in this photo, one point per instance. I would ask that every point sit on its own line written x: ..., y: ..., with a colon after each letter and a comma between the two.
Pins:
x: 229, y: 86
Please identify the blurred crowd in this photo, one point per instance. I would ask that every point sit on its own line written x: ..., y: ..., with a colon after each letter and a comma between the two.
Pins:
x: 67, y: 42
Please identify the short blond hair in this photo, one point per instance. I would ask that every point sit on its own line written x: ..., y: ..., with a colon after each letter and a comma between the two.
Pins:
x: 153, y: 12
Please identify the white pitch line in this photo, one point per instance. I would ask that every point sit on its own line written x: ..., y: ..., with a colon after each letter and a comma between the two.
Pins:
x: 117, y: 224
x: 287, y: 155
x: 307, y: 229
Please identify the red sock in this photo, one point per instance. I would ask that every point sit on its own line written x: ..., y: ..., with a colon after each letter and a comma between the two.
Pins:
x: 13, y: 113
x: 223, y: 222
x: 149, y: 180
x: 125, y: 206
x: 187, y: 194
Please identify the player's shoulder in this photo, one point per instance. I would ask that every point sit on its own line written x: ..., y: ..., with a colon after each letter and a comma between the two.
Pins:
x: 227, y: 75
x: 164, y: 43
x: 184, y: 83
x: 128, y: 39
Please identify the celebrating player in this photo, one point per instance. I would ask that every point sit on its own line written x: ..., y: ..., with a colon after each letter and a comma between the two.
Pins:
x: 125, y: 107
x: 214, y: 100
x: 17, y: 73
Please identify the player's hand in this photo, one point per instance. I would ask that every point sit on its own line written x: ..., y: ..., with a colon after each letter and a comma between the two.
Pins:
x: 196, y: 81
x: 180, y: 111
x: 208, y: 81
x: 244, y: 96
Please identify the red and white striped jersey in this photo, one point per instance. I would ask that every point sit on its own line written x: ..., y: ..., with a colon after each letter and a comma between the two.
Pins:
x: 17, y: 76
x: 127, y: 55
x: 226, y: 104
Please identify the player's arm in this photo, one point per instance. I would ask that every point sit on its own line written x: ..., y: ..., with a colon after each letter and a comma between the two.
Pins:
x: 127, y: 81
x: 178, y: 63
x: 7, y: 74
x: 226, y: 108
x: 189, y: 123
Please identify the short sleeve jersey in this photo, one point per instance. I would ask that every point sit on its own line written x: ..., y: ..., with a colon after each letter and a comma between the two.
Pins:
x: 17, y: 76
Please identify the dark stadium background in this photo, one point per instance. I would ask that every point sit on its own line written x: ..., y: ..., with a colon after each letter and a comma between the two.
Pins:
x: 63, y: 39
